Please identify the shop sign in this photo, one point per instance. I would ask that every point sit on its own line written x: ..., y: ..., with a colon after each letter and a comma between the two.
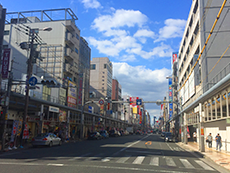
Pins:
x: 202, y: 131
x: 33, y: 119
x: 53, y: 109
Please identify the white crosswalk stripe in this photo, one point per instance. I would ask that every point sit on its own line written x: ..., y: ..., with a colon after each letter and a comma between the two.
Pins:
x: 203, y: 165
x: 123, y: 159
x: 139, y: 160
x: 79, y: 157
x: 186, y: 163
x: 169, y: 161
x: 154, y: 161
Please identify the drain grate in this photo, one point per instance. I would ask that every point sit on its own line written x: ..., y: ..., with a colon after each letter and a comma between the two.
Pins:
x: 224, y: 163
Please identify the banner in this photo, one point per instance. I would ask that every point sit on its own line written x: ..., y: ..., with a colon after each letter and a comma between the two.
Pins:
x: 170, y: 99
x: 5, y: 63
x: 72, y: 94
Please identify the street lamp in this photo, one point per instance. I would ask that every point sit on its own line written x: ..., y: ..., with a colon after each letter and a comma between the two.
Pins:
x: 32, y: 33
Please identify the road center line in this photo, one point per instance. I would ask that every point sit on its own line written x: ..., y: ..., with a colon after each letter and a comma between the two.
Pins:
x: 130, y: 145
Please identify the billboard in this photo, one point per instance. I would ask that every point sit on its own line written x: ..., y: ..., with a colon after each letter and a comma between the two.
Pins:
x: 133, y: 100
x: 170, y: 99
x: 79, y: 98
x: 72, y: 94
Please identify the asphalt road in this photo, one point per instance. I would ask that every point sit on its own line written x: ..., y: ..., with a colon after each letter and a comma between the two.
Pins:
x: 126, y: 154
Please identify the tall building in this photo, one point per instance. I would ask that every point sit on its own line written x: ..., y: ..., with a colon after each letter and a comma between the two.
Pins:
x: 63, y: 55
x: 116, y: 96
x: 204, y: 71
x: 101, y: 72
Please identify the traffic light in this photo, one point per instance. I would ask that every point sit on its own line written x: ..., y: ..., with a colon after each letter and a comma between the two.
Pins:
x: 49, y: 83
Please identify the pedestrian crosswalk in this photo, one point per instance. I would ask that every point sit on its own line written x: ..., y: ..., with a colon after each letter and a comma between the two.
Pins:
x: 149, y: 160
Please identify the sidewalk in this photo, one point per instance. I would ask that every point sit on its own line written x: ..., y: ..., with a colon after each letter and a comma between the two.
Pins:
x: 222, y: 158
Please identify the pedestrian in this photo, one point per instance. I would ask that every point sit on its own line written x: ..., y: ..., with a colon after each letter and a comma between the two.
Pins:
x: 194, y: 136
x: 218, y: 142
x: 209, y: 140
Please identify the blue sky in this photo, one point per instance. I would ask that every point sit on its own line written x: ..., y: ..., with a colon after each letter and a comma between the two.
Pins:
x: 138, y: 36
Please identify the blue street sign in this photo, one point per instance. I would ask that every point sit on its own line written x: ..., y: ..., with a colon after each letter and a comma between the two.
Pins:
x: 33, y: 81
x: 138, y: 102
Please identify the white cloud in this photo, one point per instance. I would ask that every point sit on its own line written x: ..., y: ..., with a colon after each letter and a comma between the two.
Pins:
x: 91, y: 4
x: 173, y: 28
x: 162, y: 50
x: 144, y: 33
x: 150, y: 85
x: 119, y: 18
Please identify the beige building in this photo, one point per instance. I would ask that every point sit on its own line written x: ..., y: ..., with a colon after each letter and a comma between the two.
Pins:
x: 101, y: 77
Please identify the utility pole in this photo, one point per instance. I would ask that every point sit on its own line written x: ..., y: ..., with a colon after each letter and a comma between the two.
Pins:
x: 29, y: 73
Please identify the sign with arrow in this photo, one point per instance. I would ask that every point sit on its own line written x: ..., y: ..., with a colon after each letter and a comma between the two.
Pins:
x: 138, y: 102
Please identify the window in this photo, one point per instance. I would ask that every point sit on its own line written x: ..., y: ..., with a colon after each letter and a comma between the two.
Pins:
x: 92, y: 66
x: 5, y: 46
x: 76, y: 50
x: 104, y: 65
x: 77, y: 36
x: 7, y: 32
x: 103, y: 76
x: 102, y: 79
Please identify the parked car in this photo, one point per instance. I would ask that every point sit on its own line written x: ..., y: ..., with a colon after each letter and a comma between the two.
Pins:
x: 168, y: 137
x: 95, y: 135
x: 163, y: 134
x: 104, y: 134
x: 48, y: 139
x: 114, y: 133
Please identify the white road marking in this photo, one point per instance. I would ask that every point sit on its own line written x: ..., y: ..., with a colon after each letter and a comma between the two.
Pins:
x: 186, y: 163
x: 123, y: 159
x: 139, y: 160
x: 170, y: 147
x: 203, y: 165
x: 154, y: 161
x: 76, y: 158
x: 54, y: 164
x: 107, y: 159
x: 170, y: 162
x: 130, y: 145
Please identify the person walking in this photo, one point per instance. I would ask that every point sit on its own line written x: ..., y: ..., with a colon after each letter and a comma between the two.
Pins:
x: 194, y: 136
x: 209, y: 140
x: 218, y: 142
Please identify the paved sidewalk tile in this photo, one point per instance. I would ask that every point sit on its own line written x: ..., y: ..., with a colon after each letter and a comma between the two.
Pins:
x: 220, y: 157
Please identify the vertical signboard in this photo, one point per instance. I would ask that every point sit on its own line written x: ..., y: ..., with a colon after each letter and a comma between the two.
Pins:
x: 79, y: 98
x: 170, y: 98
x: 72, y: 95
x: 5, y: 63
x: 174, y: 57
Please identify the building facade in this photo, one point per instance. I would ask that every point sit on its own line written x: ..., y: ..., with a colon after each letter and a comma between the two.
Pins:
x: 204, y: 72
x: 101, y: 72
x: 116, y: 96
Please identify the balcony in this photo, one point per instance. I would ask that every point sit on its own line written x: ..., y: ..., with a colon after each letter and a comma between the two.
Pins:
x: 71, y: 40
x: 71, y: 55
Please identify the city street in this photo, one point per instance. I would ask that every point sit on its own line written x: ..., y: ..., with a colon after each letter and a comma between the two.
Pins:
x: 134, y: 153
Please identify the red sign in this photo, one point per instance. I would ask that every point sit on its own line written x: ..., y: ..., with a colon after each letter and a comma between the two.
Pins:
x: 174, y: 57
x: 133, y: 100
x: 5, y: 63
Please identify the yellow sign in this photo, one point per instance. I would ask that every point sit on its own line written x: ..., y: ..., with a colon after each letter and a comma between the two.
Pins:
x: 148, y: 143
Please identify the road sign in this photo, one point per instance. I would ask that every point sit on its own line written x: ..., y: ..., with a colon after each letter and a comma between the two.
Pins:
x: 101, y: 101
x: 138, y: 102
x: 33, y: 81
